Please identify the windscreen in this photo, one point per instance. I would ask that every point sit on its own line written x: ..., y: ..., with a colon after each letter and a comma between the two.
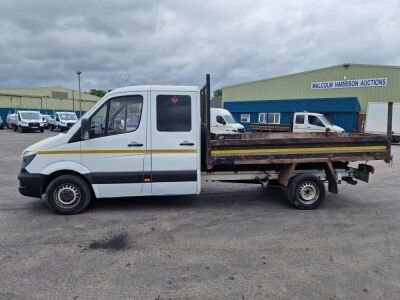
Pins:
x: 325, y: 120
x: 68, y: 117
x: 30, y: 115
x: 230, y: 119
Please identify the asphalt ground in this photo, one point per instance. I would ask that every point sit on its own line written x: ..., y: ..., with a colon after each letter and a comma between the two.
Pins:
x: 233, y: 241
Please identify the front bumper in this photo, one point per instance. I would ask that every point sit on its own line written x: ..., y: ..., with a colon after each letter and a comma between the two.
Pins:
x: 31, y: 184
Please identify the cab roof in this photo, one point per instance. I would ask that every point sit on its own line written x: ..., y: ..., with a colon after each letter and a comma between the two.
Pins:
x: 158, y: 88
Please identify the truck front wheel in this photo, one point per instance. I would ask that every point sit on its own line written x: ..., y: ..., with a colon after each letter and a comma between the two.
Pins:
x: 305, y: 191
x: 68, y: 194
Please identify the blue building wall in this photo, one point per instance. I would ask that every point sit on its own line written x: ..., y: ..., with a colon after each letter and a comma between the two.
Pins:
x: 5, y: 111
x: 340, y: 111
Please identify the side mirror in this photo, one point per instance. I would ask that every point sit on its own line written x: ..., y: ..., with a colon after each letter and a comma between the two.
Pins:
x: 85, y: 127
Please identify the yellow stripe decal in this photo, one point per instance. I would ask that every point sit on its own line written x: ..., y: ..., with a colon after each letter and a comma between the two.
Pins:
x: 41, y: 152
x: 297, y: 150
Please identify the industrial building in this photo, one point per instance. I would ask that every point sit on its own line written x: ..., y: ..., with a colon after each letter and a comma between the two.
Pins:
x: 340, y: 92
x: 45, y: 99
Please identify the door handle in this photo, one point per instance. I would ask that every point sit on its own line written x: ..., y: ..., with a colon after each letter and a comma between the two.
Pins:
x: 135, y: 144
x: 186, y: 143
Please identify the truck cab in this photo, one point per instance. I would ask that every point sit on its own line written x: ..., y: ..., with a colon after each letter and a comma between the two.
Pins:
x: 63, y: 121
x: 313, y: 122
x: 136, y: 141
x: 222, y: 121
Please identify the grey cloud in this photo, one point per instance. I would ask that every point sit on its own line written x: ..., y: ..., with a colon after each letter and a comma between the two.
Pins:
x: 44, y: 42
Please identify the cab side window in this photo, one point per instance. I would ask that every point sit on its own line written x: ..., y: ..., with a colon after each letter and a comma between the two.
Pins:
x: 118, y: 115
x: 299, y: 119
x: 174, y: 113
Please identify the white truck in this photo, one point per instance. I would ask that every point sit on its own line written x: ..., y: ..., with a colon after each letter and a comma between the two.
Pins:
x: 302, y: 122
x: 62, y: 121
x: 377, y: 118
x: 27, y: 121
x: 222, y: 121
x: 156, y: 140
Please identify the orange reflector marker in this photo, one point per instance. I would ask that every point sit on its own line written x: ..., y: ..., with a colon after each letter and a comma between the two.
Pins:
x: 147, y: 179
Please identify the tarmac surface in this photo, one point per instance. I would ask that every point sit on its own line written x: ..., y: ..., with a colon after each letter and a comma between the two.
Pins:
x: 233, y: 241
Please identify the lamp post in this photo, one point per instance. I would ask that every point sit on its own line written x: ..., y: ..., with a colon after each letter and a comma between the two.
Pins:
x: 79, y: 89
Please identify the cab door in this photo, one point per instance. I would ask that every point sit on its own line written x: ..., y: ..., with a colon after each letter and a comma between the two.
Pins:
x: 175, y: 142
x: 114, y: 153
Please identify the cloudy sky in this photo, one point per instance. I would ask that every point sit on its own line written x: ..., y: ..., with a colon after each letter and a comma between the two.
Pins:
x: 44, y: 42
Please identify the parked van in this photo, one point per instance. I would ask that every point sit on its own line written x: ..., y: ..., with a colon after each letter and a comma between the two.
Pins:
x: 222, y: 121
x: 63, y: 120
x: 11, y: 120
x: 313, y: 122
x: 302, y: 122
x: 28, y: 121
x: 46, y: 119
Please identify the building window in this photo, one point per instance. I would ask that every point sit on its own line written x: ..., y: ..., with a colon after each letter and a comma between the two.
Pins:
x: 262, y: 118
x: 274, y: 118
x: 245, y: 118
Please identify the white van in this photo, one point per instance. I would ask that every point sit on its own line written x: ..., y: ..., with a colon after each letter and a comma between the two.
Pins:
x: 313, y: 122
x: 28, y: 121
x: 222, y: 121
x: 62, y: 120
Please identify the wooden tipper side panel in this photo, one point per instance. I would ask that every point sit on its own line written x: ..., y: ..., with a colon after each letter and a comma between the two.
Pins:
x: 280, y: 148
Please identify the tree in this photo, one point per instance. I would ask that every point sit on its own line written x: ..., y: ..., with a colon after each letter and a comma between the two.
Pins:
x: 217, y: 94
x: 98, y: 93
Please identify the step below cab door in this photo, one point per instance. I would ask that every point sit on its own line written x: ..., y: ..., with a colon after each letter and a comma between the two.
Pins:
x: 175, y: 146
x: 115, y: 151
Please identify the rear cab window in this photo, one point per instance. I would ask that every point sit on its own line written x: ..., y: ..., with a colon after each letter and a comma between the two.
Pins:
x: 174, y: 113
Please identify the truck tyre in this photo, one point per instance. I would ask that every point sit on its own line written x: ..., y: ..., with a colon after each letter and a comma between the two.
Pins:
x: 51, y: 127
x: 20, y: 129
x: 42, y: 130
x: 305, y: 191
x: 68, y: 194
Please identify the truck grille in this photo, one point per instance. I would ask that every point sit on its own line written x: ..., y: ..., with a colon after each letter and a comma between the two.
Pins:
x: 33, y: 124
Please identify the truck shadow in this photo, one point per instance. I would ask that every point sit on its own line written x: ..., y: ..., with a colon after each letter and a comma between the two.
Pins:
x: 214, y: 199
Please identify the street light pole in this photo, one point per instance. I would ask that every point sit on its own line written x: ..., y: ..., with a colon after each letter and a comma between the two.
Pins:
x: 79, y: 86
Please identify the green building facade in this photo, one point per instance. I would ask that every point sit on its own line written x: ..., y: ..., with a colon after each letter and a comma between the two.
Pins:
x: 45, y: 99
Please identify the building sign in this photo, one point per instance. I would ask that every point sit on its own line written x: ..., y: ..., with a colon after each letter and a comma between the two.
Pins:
x: 347, y: 84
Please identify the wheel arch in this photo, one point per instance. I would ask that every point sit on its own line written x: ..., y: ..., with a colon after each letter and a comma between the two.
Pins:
x: 50, y: 177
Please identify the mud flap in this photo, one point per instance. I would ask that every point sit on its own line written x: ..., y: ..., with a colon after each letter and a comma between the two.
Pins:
x: 332, y: 178
x: 286, y: 173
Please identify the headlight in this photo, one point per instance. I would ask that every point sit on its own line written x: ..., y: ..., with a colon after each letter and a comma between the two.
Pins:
x: 24, y: 123
x: 27, y: 158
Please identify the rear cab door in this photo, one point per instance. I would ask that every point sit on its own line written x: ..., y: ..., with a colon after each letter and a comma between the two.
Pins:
x: 175, y: 140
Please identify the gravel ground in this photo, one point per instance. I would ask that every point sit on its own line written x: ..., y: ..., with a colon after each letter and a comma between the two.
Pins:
x: 232, y: 242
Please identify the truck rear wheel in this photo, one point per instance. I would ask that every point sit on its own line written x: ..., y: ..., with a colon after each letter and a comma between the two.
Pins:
x: 305, y: 191
x: 68, y: 194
